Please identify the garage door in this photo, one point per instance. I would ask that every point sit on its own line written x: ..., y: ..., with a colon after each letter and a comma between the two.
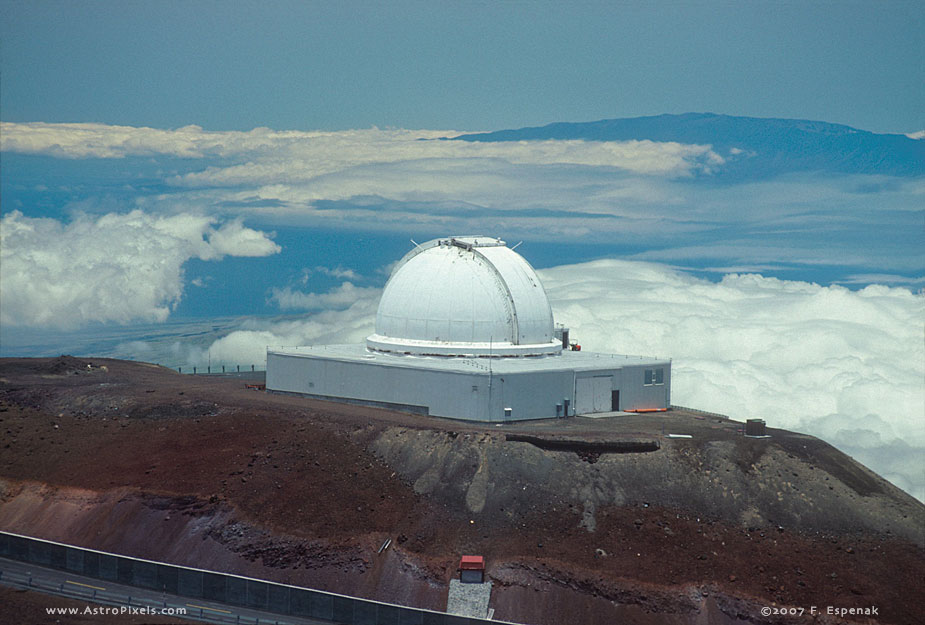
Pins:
x: 593, y: 394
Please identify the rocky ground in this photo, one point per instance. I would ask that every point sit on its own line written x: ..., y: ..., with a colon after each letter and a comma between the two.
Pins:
x: 581, y: 520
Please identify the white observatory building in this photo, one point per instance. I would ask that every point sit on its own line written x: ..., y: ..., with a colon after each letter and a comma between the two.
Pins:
x: 464, y: 330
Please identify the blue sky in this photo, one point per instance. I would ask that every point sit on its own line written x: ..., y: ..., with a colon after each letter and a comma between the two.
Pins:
x: 464, y: 65
x: 189, y: 182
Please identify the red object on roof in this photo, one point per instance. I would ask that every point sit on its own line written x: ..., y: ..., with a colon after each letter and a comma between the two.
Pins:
x: 472, y: 563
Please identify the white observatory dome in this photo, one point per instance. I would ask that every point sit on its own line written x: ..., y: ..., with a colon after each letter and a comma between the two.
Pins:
x: 464, y: 296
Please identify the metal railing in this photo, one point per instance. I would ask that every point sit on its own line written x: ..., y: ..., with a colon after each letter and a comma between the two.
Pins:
x: 218, y: 369
x: 698, y: 411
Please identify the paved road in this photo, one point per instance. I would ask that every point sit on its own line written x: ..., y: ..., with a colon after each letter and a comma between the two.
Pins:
x: 94, y: 591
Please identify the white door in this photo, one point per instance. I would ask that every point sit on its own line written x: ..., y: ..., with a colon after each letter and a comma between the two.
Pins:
x: 584, y: 396
x: 593, y: 394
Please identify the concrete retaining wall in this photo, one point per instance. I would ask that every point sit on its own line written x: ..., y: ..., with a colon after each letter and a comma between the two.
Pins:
x: 220, y: 587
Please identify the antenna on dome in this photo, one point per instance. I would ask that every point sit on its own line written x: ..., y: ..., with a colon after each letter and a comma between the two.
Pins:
x: 515, y: 247
x: 416, y: 244
x: 490, y: 340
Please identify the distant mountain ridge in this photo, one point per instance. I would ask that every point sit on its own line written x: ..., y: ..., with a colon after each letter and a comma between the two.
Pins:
x: 752, y: 146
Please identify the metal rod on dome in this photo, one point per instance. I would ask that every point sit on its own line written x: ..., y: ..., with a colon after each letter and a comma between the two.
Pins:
x: 489, y: 374
x: 416, y: 244
x: 515, y: 247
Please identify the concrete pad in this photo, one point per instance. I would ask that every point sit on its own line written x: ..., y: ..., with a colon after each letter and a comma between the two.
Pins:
x: 605, y: 415
x: 468, y: 599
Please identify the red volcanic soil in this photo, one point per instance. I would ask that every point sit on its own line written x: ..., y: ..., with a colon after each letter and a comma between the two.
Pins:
x: 199, y: 470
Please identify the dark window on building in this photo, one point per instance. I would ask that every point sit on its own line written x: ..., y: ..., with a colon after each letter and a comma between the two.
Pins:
x: 654, y: 376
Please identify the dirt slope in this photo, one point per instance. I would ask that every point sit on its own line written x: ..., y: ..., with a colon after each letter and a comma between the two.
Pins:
x: 199, y: 470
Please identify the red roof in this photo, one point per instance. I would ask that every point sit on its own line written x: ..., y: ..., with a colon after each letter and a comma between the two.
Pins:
x: 470, y: 563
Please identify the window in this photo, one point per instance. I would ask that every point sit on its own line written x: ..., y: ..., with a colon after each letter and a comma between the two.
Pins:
x: 654, y: 376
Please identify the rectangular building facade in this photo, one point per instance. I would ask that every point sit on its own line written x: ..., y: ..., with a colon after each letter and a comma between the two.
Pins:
x: 477, y: 389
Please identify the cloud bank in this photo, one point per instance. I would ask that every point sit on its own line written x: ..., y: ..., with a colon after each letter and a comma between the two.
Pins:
x: 340, y: 297
x: 661, y: 198
x: 84, y: 140
x: 285, y: 156
x: 843, y: 365
x: 117, y: 268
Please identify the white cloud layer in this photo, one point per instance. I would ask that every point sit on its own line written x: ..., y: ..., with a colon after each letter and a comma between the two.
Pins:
x: 658, y: 197
x: 846, y: 366
x: 112, y: 268
x: 82, y: 140
x: 247, y: 344
x: 338, y: 298
x: 843, y: 365
x: 287, y: 156
x: 335, y: 272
